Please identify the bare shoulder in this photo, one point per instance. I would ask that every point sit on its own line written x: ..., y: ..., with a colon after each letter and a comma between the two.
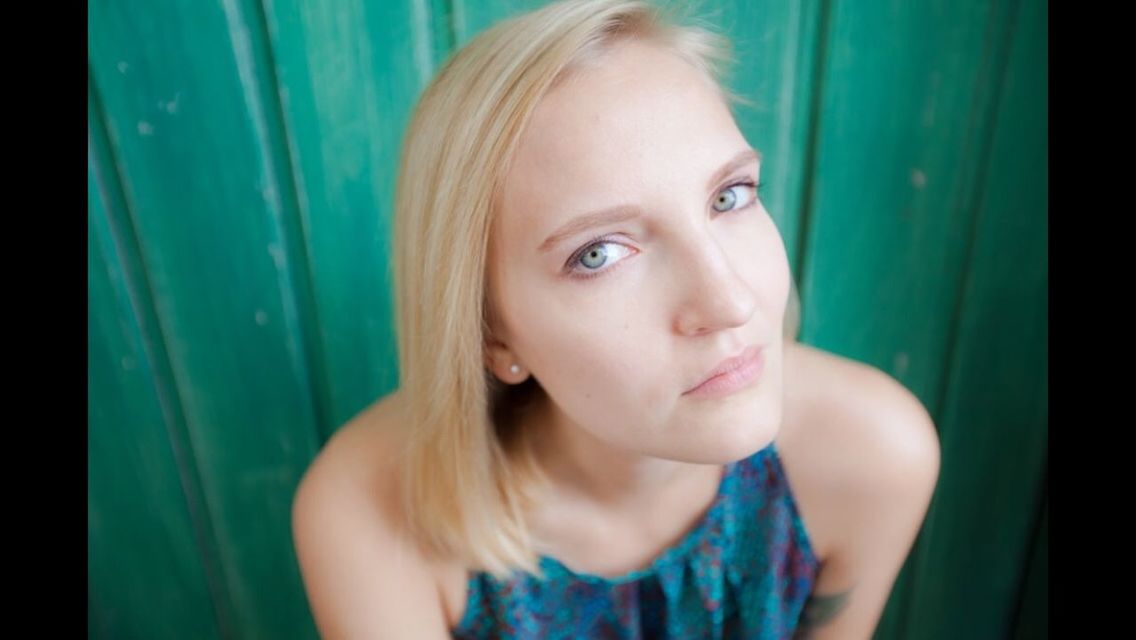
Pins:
x: 363, y: 575
x: 862, y: 456
x: 363, y: 453
x: 836, y: 405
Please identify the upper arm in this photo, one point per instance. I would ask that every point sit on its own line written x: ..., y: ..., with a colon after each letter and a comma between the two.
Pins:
x: 886, y: 489
x: 363, y: 577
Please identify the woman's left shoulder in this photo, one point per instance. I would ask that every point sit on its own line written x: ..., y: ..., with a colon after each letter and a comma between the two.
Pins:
x: 854, y: 441
x: 861, y: 454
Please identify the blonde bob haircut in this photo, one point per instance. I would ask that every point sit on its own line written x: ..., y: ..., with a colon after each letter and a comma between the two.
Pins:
x: 467, y: 477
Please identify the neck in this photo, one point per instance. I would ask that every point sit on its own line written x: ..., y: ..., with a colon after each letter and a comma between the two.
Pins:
x: 584, y: 468
x: 609, y: 510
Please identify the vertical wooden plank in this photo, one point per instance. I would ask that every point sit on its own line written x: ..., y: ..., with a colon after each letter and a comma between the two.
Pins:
x: 349, y: 73
x: 902, y: 133
x: 145, y: 575
x: 904, y: 119
x: 470, y: 17
x: 995, y: 420
x: 442, y: 29
x: 1033, y: 612
x: 191, y: 117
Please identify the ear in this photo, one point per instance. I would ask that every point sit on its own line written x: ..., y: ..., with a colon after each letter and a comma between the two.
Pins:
x: 503, y: 362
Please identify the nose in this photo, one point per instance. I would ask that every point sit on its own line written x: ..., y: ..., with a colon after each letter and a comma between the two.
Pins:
x: 715, y: 296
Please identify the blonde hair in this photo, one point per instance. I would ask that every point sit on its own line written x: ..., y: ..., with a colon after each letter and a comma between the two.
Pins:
x: 467, y: 478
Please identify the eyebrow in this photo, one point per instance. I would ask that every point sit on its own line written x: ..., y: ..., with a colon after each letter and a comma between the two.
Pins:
x: 737, y: 162
x: 625, y: 212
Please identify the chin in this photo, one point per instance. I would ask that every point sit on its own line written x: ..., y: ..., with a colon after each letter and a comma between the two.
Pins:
x: 730, y: 438
x: 748, y: 439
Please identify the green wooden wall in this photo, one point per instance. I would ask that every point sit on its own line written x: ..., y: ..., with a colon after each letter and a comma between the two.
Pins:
x: 241, y: 160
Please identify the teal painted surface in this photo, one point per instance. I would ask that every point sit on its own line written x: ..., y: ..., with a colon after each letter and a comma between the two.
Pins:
x: 193, y: 125
x: 1033, y: 613
x: 145, y: 572
x: 995, y: 412
x: 349, y: 73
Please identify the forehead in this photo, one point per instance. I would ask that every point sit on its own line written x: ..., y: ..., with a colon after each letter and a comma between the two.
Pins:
x: 637, y: 117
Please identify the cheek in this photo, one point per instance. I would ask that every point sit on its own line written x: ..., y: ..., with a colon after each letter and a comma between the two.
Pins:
x: 593, y: 358
x: 587, y: 348
x: 767, y: 264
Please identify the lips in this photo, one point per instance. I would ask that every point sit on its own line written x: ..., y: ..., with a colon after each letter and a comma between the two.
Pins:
x: 727, y: 366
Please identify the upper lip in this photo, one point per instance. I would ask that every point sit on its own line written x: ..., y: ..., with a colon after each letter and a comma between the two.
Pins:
x: 728, y: 365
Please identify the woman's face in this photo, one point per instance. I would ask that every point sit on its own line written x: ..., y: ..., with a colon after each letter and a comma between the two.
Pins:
x: 619, y: 314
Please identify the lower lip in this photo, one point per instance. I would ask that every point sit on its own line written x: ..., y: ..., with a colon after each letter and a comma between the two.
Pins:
x: 727, y: 383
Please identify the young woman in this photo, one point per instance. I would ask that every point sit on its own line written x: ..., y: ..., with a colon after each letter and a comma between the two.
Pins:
x: 604, y: 428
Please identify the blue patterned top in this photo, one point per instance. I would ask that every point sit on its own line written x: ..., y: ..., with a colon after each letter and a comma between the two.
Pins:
x: 744, y: 571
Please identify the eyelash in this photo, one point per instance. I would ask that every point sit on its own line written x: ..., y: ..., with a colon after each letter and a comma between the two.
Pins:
x: 578, y: 275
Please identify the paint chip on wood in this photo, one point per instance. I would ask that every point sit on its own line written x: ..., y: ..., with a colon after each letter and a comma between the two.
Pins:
x: 277, y: 254
x: 170, y: 107
x: 900, y: 363
x: 269, y: 194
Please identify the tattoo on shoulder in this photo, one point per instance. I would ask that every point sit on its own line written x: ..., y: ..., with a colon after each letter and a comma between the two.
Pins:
x: 820, y: 609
